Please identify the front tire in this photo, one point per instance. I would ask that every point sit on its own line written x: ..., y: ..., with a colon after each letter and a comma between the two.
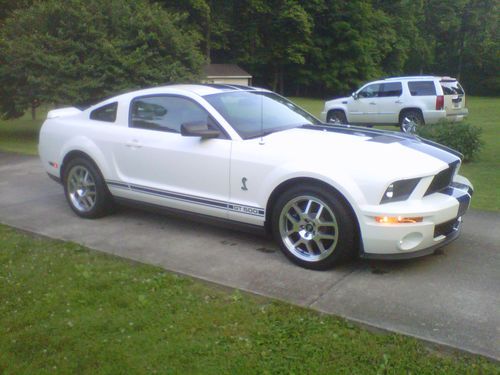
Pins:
x: 85, y: 189
x: 314, y: 227
x: 336, y: 117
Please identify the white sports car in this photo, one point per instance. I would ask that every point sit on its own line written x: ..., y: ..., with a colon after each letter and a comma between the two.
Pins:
x: 250, y: 156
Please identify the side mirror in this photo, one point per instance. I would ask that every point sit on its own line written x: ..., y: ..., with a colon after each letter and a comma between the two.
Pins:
x: 355, y: 95
x: 198, y: 129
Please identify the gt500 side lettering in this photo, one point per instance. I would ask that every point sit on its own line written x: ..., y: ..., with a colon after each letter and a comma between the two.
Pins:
x: 248, y: 210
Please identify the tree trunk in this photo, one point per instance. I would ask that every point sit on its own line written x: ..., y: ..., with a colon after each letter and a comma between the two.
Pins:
x: 33, y: 110
x: 208, y: 35
x: 275, y: 81
x: 281, y: 82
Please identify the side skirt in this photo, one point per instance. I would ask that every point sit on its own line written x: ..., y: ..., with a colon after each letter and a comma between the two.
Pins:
x: 200, y: 218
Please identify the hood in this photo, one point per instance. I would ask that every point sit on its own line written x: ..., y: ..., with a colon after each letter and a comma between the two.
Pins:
x: 338, y: 100
x: 365, y: 153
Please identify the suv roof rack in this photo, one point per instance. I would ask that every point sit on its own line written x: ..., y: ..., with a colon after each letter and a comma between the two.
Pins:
x: 409, y: 77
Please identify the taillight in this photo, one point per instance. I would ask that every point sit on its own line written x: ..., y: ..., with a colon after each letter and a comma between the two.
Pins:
x: 439, y: 102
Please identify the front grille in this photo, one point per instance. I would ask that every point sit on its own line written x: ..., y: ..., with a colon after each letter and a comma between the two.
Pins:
x: 443, y: 179
x: 445, y: 229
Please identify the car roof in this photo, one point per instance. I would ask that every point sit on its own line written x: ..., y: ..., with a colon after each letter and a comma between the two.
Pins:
x: 201, y: 89
x: 197, y: 89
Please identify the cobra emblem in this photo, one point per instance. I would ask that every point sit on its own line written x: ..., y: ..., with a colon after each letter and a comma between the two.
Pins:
x: 244, y: 184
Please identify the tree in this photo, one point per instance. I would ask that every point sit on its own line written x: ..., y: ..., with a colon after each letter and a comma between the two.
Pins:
x: 350, y: 41
x: 73, y: 51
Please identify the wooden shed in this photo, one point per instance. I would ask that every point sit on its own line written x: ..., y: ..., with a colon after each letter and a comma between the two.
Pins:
x: 226, y: 74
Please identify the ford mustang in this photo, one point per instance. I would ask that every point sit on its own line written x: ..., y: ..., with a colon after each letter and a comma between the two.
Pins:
x: 247, y: 155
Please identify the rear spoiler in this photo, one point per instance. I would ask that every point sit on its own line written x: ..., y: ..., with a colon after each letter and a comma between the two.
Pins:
x: 63, y: 112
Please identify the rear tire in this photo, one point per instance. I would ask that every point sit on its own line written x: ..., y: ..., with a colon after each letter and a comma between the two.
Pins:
x: 314, y: 227
x: 85, y: 189
x: 414, y: 120
x: 336, y: 117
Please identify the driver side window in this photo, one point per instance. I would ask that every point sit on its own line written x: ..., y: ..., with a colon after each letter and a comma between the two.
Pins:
x: 370, y: 91
x: 165, y: 113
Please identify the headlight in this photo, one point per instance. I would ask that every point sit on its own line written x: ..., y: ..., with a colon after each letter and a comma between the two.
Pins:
x: 399, y: 190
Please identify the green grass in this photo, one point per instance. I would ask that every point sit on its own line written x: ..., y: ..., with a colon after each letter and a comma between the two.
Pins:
x: 484, y: 173
x: 66, y: 309
x: 21, y: 136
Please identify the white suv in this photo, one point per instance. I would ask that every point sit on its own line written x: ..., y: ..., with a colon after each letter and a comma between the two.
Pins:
x: 403, y: 101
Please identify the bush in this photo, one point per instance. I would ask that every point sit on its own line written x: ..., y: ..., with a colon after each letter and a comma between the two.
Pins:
x: 460, y: 136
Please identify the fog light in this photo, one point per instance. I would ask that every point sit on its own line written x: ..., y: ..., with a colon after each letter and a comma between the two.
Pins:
x: 398, y: 219
x: 410, y: 241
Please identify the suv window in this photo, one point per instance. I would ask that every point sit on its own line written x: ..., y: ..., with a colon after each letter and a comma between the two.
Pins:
x: 370, y: 91
x: 105, y: 113
x: 165, y: 113
x: 391, y: 89
x: 422, y: 88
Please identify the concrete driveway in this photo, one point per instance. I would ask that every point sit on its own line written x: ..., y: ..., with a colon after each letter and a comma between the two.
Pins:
x: 452, y: 298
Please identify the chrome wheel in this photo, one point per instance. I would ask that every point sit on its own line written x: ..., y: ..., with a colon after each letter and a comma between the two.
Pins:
x: 308, y: 228
x: 81, y: 188
x: 409, y: 125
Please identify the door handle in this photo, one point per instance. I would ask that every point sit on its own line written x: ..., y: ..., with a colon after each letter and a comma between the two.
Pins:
x: 398, y: 101
x: 373, y: 103
x: 134, y: 143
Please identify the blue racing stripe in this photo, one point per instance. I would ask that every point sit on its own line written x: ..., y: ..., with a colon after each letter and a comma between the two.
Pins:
x: 248, y: 210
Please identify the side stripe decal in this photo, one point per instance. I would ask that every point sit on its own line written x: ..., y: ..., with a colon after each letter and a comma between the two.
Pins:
x: 248, y: 210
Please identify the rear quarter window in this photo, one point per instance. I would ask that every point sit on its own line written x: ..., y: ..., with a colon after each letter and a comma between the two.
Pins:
x: 422, y: 88
x: 105, y: 113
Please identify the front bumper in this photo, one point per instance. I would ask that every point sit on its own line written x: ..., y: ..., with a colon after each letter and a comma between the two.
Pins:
x: 442, y: 220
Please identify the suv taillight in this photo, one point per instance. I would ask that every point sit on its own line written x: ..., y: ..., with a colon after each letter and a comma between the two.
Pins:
x: 439, y: 102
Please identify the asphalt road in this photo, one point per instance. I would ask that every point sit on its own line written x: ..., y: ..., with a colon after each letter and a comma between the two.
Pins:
x: 451, y: 298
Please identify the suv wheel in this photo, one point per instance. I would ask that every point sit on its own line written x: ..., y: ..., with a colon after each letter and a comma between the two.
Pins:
x: 336, y: 117
x: 410, y: 120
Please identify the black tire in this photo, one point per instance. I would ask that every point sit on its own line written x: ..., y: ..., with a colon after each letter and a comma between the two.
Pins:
x: 336, y: 117
x: 85, y: 189
x: 414, y: 116
x: 301, y: 236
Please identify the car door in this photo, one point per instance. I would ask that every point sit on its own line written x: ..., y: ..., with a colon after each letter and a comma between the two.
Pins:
x: 389, y: 103
x: 363, y: 108
x: 160, y: 166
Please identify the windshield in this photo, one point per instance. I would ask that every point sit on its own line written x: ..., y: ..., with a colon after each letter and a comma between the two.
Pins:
x: 254, y: 114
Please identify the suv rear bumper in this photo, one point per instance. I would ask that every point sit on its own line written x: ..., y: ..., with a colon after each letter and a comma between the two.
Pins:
x: 433, y: 116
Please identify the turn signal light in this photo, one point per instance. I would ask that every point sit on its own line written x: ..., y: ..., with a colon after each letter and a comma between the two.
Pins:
x: 398, y: 219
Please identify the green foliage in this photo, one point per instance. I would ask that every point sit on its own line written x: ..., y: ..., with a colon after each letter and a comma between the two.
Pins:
x: 460, y: 136
x: 73, y: 51
x: 65, y: 309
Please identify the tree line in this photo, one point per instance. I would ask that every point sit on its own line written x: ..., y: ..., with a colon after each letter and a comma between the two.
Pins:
x: 75, y: 51
x: 321, y: 47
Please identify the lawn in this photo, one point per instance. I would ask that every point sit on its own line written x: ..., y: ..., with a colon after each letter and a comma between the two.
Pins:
x: 21, y: 136
x: 67, y: 309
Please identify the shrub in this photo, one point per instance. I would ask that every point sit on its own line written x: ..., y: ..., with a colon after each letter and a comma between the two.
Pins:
x: 460, y: 136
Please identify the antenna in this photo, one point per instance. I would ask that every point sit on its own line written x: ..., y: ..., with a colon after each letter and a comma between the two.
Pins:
x: 261, y: 142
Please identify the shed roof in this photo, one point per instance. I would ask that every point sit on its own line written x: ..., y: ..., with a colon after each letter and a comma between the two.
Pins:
x: 225, y: 70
